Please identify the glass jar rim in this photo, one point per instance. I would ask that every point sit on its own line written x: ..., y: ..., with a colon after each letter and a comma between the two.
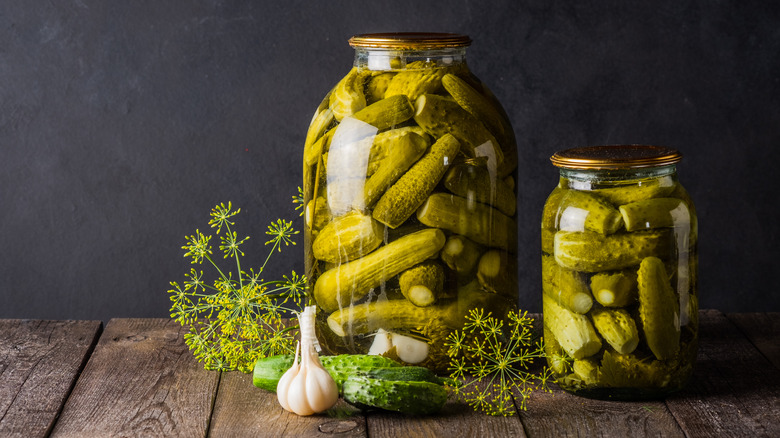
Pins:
x: 410, y: 40
x: 632, y: 156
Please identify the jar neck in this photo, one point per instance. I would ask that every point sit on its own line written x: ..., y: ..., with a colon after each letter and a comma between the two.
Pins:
x: 395, y: 59
x: 587, y: 179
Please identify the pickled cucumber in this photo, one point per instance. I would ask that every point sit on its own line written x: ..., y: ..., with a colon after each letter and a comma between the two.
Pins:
x: 655, y: 213
x: 422, y: 284
x: 348, y: 97
x: 404, y: 153
x: 475, y: 182
x: 629, y: 371
x: 477, y: 105
x: 640, y: 190
x: 349, y: 282
x: 440, y: 115
x: 551, y: 209
x: 581, y: 211
x: 659, y: 310
x: 572, y: 331
x: 418, y: 78
x: 617, y: 328
x: 587, y: 370
x: 594, y: 252
x: 348, y: 237
x: 566, y: 287
x: 401, y: 200
x: 385, y: 143
x: 497, y: 272
x: 377, y: 86
x: 386, y: 113
x: 478, y: 222
x: 614, y: 289
x: 461, y: 254
x: 313, y: 147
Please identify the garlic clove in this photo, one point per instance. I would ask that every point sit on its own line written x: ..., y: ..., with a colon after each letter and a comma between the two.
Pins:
x: 298, y: 397
x: 408, y: 349
x: 319, y: 382
x: 283, y: 387
x: 382, y: 343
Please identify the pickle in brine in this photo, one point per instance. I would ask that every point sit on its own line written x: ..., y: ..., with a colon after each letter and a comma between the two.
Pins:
x: 416, y: 79
x: 482, y: 224
x: 439, y: 115
x: 593, y: 252
x: 348, y: 97
x: 475, y: 182
x: 659, y: 309
x: 655, y: 213
x: 401, y: 200
x: 617, y: 328
x: 566, y: 287
x: 581, y: 211
x: 614, y: 289
x: 572, y: 331
x: 386, y: 113
x: 638, y: 190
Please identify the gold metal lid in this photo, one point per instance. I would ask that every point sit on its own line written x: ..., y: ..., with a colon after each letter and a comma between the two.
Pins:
x: 410, y: 40
x: 615, y: 157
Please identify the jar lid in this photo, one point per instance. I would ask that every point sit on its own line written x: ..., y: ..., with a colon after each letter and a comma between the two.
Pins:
x: 615, y: 157
x: 410, y: 40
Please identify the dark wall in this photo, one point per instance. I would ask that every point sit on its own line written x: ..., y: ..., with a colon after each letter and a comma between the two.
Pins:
x: 123, y: 123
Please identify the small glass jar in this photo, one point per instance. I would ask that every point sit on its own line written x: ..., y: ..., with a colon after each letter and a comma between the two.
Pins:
x: 408, y: 168
x: 619, y: 280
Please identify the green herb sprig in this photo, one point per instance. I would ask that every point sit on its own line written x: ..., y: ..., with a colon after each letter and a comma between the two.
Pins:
x: 492, y: 363
x: 238, y: 318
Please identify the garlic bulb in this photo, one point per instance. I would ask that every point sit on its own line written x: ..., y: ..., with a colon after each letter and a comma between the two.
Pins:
x: 307, y: 388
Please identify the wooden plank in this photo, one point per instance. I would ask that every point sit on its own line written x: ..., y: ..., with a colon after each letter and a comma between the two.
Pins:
x: 39, y: 363
x: 241, y: 409
x: 763, y: 330
x: 454, y: 420
x: 735, y: 390
x: 140, y: 381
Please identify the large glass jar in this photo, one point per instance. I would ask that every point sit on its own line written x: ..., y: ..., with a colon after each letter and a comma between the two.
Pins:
x: 619, y: 266
x: 408, y: 168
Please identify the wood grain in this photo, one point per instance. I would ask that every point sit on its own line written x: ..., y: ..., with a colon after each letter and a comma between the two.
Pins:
x: 561, y: 414
x: 241, y: 409
x: 456, y: 419
x: 763, y: 331
x: 39, y: 363
x: 734, y: 391
x: 141, y: 380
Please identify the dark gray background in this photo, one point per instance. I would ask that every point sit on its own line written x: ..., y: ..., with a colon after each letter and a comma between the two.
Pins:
x: 122, y: 124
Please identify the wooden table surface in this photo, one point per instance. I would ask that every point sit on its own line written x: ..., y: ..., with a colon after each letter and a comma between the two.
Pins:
x: 137, y: 378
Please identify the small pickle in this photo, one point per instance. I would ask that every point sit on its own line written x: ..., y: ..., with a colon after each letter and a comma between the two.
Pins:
x: 479, y: 222
x: 617, y: 328
x: 582, y: 210
x: 566, y: 287
x: 497, y: 272
x: 348, y: 97
x: 593, y: 252
x: 614, y: 289
x: 659, y: 311
x: 573, y: 331
x: 655, y: 213
x: 401, y: 200
x: 440, y: 115
x: 348, y: 237
x: 422, y: 284
x: 475, y: 182
x: 416, y: 79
